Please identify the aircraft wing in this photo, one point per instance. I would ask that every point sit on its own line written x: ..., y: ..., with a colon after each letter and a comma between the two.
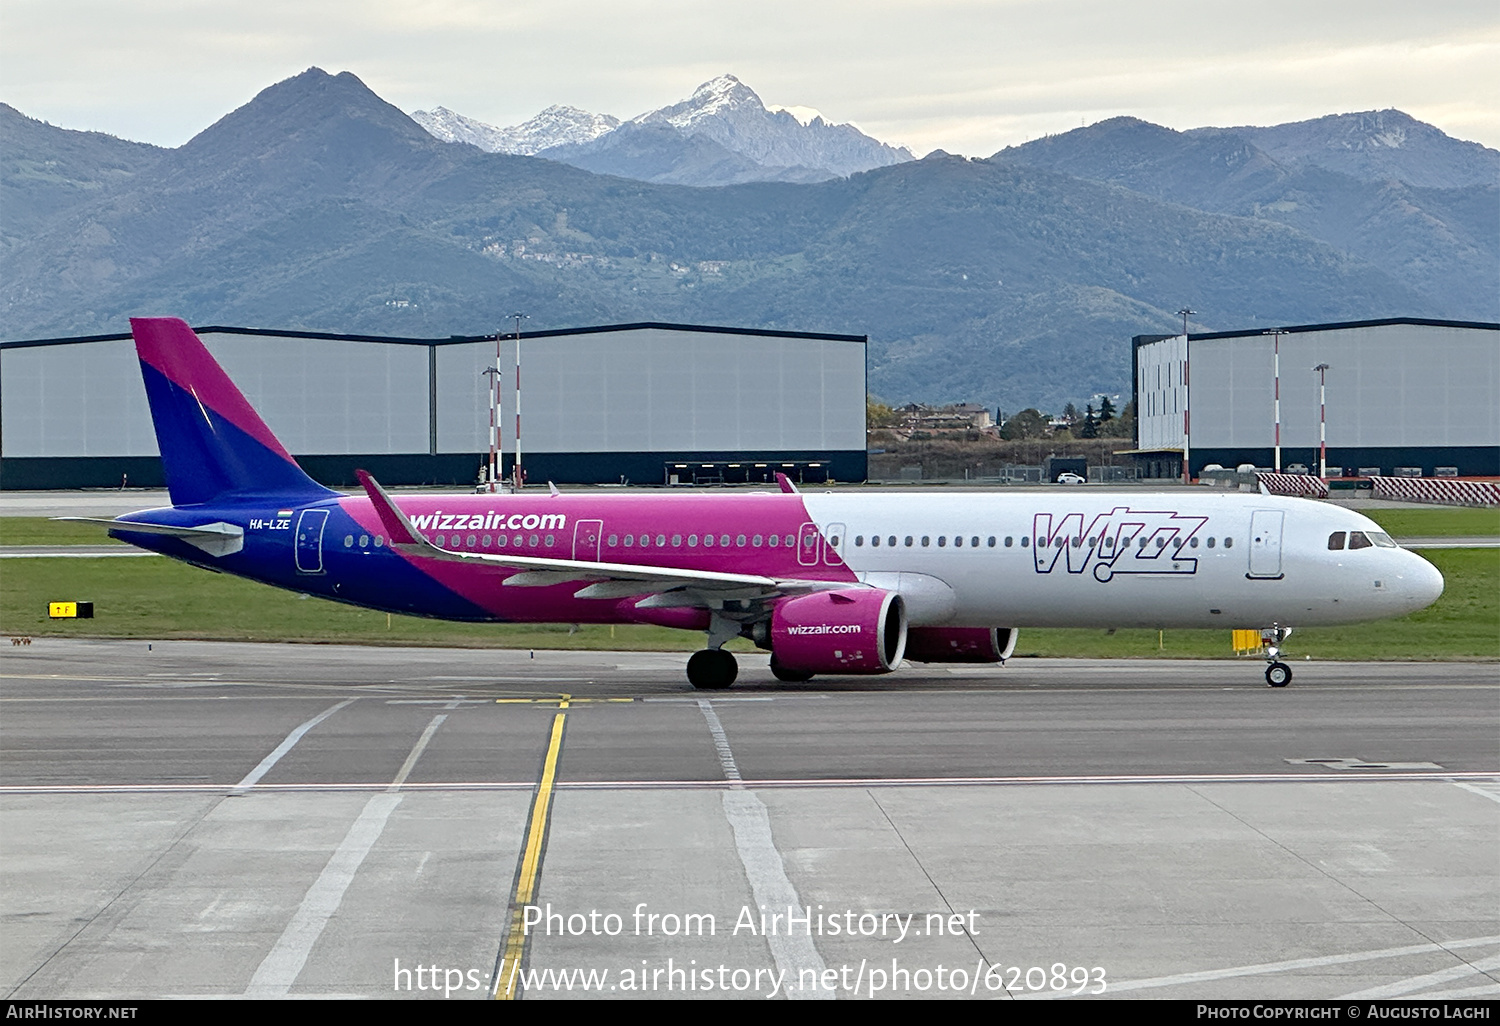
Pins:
x: 705, y: 588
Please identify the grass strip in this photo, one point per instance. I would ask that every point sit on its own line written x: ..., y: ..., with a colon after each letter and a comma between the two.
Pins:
x: 158, y: 598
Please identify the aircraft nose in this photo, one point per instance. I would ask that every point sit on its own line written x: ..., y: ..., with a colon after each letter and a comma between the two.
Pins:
x: 1423, y: 582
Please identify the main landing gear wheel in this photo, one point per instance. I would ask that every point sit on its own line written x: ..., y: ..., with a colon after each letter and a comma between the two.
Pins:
x: 1278, y: 675
x: 712, y: 669
x: 789, y: 676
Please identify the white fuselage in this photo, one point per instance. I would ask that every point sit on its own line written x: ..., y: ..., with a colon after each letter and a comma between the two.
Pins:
x: 1125, y: 559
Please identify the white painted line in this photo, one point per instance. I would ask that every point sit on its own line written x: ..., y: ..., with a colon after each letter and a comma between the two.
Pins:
x: 721, y: 740
x: 280, y: 968
x: 63, y: 554
x: 286, y: 746
x: 417, y: 750
x: 764, y: 868
x: 1491, y: 793
x: 1266, y: 968
x: 1415, y: 983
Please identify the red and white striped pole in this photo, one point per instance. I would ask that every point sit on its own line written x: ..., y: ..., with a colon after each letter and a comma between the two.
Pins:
x: 1322, y: 369
x: 494, y: 375
x: 1187, y: 424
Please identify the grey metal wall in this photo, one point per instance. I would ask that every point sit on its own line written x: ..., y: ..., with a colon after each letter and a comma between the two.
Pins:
x: 639, y: 390
x: 1394, y: 385
x: 658, y: 390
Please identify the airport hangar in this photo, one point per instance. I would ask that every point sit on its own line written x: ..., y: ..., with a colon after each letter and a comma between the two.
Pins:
x: 644, y: 403
x: 1408, y: 393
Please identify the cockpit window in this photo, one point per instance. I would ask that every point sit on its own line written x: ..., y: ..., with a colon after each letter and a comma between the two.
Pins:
x: 1384, y: 540
x: 1358, y: 540
x: 1336, y: 541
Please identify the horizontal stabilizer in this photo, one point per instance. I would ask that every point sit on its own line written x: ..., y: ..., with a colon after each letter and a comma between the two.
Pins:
x: 217, y: 539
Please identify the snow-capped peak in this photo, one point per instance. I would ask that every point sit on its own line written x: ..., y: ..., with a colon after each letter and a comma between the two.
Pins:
x: 554, y: 126
x: 725, y: 96
x: 804, y: 115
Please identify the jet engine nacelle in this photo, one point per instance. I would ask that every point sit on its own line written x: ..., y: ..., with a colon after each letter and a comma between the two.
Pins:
x: 858, y: 630
x: 960, y: 644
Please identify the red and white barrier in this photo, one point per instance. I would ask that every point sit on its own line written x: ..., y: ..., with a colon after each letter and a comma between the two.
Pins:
x: 1445, y: 491
x: 1304, y: 485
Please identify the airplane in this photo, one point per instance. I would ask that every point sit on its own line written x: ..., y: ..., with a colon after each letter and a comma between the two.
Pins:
x: 828, y: 583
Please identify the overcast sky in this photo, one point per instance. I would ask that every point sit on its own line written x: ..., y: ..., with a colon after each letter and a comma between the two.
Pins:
x: 967, y: 76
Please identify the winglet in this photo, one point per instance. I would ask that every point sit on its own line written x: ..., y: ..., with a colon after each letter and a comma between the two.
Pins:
x: 786, y: 484
x: 396, y: 524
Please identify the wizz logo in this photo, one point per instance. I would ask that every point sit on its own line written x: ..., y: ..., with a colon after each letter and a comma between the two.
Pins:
x: 1122, y: 541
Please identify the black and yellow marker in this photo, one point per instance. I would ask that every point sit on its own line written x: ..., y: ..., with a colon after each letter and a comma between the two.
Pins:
x: 70, y: 610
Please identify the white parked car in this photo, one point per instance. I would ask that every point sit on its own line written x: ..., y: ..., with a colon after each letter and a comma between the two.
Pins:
x: 1070, y: 478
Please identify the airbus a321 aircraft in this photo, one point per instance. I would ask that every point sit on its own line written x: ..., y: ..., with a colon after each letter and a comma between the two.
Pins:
x: 830, y: 584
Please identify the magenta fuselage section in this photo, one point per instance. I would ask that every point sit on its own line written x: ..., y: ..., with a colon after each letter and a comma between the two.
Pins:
x: 764, y: 535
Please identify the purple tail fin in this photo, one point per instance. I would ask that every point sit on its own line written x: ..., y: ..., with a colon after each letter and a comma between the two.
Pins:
x: 213, y: 444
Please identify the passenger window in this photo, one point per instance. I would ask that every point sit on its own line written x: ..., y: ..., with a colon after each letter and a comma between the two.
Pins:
x: 1210, y: 541
x: 364, y: 540
x: 550, y: 540
x: 676, y: 541
x: 958, y: 541
x: 1335, y: 541
x: 740, y: 541
x: 471, y: 542
x: 926, y: 541
x: 942, y: 541
x: 859, y: 541
x: 661, y: 541
x: 891, y: 541
x: 908, y: 541
x: 724, y: 540
x: 501, y: 541
x: 629, y: 540
x: 1025, y: 541
x: 1193, y: 542
x: 1008, y: 539
x: 775, y: 540
x: 692, y: 541
x: 758, y: 541
x: 1358, y: 540
x: 1229, y: 543
x: 875, y: 540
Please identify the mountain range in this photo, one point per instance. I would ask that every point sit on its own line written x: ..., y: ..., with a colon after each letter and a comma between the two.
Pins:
x: 721, y: 135
x: 1015, y: 280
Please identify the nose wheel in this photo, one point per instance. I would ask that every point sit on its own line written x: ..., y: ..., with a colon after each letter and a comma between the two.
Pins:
x: 1278, y: 673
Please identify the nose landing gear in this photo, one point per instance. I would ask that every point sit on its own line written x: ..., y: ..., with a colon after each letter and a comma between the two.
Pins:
x: 1278, y: 674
